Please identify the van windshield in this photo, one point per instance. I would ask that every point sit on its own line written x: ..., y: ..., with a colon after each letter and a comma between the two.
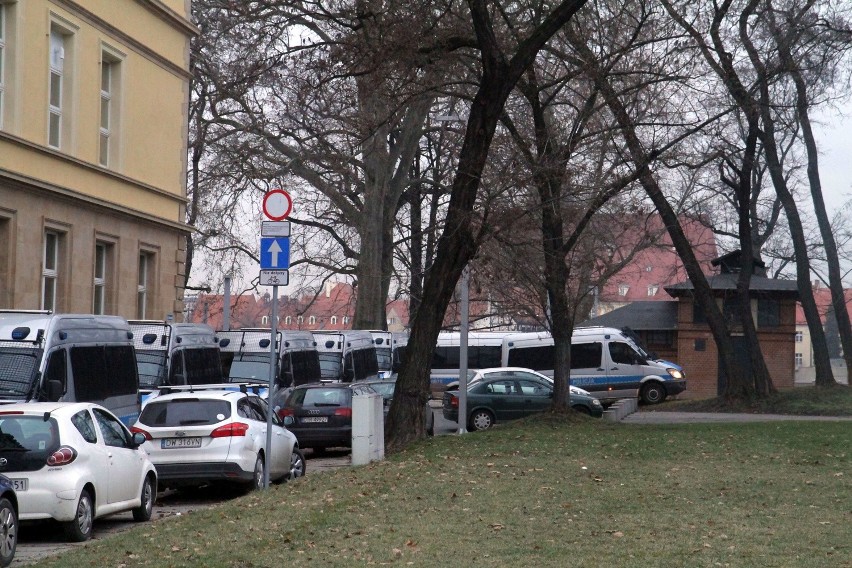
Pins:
x: 330, y: 365
x: 383, y: 358
x: 249, y: 371
x: 18, y: 367
x: 151, y: 364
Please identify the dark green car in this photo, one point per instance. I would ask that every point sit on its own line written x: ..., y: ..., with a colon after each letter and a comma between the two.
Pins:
x: 509, y: 394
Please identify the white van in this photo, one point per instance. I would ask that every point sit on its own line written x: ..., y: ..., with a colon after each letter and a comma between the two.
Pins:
x: 484, y: 350
x: 604, y: 361
x: 384, y: 351
x: 173, y: 354
x: 346, y: 356
x: 48, y: 357
x: 245, y: 356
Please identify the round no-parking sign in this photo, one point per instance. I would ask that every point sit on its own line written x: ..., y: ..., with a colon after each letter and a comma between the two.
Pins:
x: 277, y: 205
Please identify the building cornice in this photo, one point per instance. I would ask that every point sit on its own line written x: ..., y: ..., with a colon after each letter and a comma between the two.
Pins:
x: 160, y: 10
x: 33, y: 182
x: 30, y: 184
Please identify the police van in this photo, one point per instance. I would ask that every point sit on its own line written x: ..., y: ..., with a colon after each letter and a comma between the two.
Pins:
x: 49, y: 357
x: 484, y: 350
x: 347, y: 356
x: 605, y: 361
x: 245, y: 356
x: 174, y: 354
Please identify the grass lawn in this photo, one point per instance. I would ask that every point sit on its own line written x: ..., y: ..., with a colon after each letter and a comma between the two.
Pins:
x: 808, y: 401
x: 547, y: 491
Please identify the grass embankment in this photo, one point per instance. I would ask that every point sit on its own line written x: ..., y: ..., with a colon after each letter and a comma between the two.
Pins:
x: 801, y: 401
x: 548, y: 491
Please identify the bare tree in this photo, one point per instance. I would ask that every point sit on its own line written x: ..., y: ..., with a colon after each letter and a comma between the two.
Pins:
x: 459, y: 240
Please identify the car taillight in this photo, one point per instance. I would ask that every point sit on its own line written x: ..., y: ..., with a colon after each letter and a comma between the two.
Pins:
x: 62, y: 456
x: 282, y: 412
x: 345, y: 412
x: 137, y: 430
x: 228, y: 430
x: 454, y: 401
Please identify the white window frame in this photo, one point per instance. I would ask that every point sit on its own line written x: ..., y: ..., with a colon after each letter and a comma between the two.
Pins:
x: 345, y: 320
x: 288, y: 320
x: 653, y: 289
x: 50, y: 275
x: 800, y: 337
x: 99, y: 284
x: 300, y: 319
x: 104, y: 126
x: 56, y: 64
x: 799, y: 360
x: 312, y: 320
x: 4, y: 15
x: 623, y: 289
x: 333, y: 320
x: 143, y: 283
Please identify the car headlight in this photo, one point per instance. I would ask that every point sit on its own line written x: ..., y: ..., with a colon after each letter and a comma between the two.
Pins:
x: 675, y: 373
x: 596, y: 402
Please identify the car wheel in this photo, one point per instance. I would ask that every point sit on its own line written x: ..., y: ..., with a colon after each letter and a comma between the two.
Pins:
x: 80, y: 528
x: 143, y: 512
x: 8, y: 532
x: 257, y: 480
x: 298, y: 466
x: 481, y: 420
x: 430, y: 421
x: 653, y: 393
x: 584, y: 409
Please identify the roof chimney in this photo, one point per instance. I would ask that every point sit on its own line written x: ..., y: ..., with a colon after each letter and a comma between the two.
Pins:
x: 329, y: 286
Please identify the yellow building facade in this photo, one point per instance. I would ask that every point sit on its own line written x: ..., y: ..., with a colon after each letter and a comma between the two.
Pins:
x: 93, y: 140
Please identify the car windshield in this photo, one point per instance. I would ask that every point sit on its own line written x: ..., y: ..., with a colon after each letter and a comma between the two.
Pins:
x: 185, y: 412
x: 384, y: 388
x: 330, y: 365
x: 18, y: 367
x: 151, y: 365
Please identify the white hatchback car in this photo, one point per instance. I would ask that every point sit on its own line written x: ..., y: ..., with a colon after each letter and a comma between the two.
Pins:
x: 201, y: 436
x: 74, y: 462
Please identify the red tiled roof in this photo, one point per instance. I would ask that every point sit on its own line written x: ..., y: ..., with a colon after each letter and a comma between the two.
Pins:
x: 822, y: 296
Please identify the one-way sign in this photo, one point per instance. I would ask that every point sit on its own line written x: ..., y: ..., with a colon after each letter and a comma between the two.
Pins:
x: 275, y: 253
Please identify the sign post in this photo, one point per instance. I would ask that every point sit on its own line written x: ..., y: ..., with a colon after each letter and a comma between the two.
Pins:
x: 274, y: 271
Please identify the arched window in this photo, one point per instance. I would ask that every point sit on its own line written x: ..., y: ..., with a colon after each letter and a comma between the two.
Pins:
x: 300, y: 319
x: 264, y: 320
x: 312, y: 320
x: 333, y: 320
x: 288, y: 320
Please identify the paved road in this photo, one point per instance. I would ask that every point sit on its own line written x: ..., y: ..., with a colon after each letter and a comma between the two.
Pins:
x: 39, y: 540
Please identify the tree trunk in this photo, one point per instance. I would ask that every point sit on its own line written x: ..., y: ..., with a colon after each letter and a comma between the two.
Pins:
x: 838, y: 298
x: 703, y: 292
x: 457, y: 243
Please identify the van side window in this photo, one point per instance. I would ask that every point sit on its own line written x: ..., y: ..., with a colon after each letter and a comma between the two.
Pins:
x: 89, y: 370
x: 622, y: 353
x: 586, y: 355
x: 176, y: 368
x: 56, y: 369
x: 121, y: 362
x: 536, y: 358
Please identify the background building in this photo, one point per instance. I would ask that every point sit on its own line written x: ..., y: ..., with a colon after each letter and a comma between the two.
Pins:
x: 93, y: 139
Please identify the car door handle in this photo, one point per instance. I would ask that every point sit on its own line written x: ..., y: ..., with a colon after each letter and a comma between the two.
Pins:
x: 614, y: 369
x: 601, y: 369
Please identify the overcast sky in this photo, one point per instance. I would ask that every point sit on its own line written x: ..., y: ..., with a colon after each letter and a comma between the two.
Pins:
x: 835, y: 168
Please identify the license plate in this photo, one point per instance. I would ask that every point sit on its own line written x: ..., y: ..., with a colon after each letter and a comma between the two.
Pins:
x: 170, y: 443
x: 315, y: 419
x: 20, y: 484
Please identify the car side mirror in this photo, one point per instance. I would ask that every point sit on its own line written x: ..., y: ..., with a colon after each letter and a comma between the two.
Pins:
x: 138, y: 439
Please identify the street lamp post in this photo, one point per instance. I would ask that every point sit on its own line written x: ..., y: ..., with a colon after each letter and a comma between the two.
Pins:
x: 463, y: 328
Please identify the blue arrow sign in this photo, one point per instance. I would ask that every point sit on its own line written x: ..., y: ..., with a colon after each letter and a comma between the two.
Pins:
x: 275, y: 253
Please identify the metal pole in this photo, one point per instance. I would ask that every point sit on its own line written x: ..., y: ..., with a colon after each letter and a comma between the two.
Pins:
x: 270, y: 397
x: 463, y: 327
x: 226, y: 309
